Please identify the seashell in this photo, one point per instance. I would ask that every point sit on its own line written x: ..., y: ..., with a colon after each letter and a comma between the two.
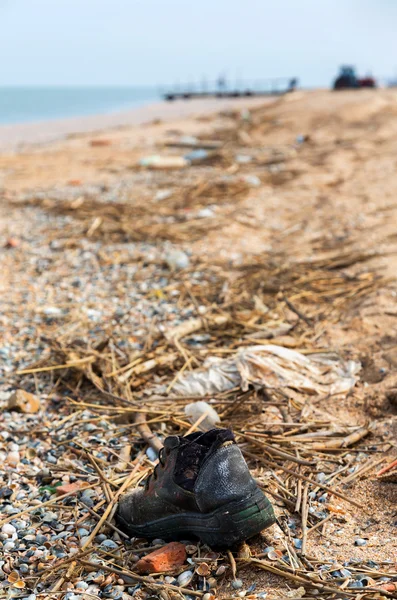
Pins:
x: 203, y: 570
x: 13, y: 577
x: 185, y: 578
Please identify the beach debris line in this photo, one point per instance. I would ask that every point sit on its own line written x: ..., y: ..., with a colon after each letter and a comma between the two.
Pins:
x: 103, y: 329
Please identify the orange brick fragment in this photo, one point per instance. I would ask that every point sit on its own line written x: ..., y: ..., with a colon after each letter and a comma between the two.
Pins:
x: 67, y: 488
x: 388, y: 587
x: 165, y: 559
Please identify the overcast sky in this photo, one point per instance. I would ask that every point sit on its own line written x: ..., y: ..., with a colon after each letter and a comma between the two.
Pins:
x: 161, y: 41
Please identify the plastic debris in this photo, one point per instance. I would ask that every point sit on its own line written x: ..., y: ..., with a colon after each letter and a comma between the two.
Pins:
x: 196, y: 410
x: 164, y: 162
x: 196, y: 156
x: 177, y: 259
x: 271, y: 366
x: 252, y: 180
x: 162, y: 195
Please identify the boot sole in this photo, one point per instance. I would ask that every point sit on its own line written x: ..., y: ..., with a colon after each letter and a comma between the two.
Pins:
x: 224, y: 527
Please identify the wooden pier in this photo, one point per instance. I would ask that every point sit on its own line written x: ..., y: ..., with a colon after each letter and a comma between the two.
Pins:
x: 268, y: 87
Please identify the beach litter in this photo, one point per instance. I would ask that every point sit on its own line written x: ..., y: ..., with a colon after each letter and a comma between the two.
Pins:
x: 112, y: 338
x: 271, y: 367
x: 164, y: 162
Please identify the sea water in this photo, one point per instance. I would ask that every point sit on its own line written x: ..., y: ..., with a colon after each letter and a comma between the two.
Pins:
x: 29, y: 104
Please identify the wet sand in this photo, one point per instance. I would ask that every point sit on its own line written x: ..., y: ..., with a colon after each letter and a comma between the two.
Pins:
x: 15, y: 135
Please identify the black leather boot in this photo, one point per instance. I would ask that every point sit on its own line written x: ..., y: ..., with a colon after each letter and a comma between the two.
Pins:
x: 201, y: 487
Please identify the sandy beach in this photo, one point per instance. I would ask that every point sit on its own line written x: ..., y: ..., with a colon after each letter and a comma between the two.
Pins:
x: 12, y: 136
x: 121, y: 281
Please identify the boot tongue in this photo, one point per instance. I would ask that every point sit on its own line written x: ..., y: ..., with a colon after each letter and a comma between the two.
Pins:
x: 212, y: 438
x: 193, y: 451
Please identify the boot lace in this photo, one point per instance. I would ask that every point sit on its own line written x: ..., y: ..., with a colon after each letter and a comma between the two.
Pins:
x: 162, y: 454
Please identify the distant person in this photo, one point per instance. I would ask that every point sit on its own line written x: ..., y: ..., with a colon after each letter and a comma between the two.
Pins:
x: 221, y: 83
x: 293, y: 84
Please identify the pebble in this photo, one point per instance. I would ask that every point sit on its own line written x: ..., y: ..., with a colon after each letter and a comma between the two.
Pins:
x: 9, y: 546
x: 237, y: 584
x: 151, y: 454
x: 205, y: 213
x: 23, y: 568
x: 8, y: 529
x: 52, y: 311
x: 360, y: 542
x: 109, y: 544
x: 13, y: 458
x: 48, y: 517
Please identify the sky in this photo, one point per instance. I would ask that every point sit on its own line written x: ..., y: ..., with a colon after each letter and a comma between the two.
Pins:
x: 151, y: 42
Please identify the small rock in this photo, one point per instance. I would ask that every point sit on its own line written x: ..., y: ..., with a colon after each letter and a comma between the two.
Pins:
x: 151, y: 454
x: 13, y: 458
x: 12, y: 242
x: 8, y: 529
x: 205, y: 213
x: 23, y: 402
x: 109, y: 544
x: 163, y: 559
x: 24, y: 569
x: 9, y: 546
x: 237, y: 584
x: 52, y: 312
x: 360, y: 542
x: 83, y: 532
